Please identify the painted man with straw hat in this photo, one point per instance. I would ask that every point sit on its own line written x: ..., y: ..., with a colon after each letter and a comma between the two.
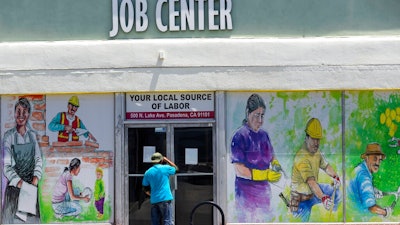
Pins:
x: 362, y: 193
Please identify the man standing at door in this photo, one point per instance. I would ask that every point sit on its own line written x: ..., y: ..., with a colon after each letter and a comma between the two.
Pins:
x: 156, y: 185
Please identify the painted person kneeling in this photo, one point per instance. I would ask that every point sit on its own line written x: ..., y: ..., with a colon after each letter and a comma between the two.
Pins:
x: 65, y: 200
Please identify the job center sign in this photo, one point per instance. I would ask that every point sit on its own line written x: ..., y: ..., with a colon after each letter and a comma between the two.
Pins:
x: 171, y: 15
x: 162, y: 106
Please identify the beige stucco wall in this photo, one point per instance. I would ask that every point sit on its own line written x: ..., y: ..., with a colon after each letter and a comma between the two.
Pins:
x: 347, y: 63
x: 200, y: 64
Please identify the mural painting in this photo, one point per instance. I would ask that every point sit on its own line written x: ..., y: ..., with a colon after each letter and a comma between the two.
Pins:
x: 68, y: 125
x: 293, y: 157
x: 306, y: 188
x: 52, y: 159
x: 22, y: 167
x: 372, y: 156
x: 286, y: 157
x: 288, y: 149
x: 252, y: 155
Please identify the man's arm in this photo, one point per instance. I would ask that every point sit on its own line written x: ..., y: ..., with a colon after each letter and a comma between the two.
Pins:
x: 13, y: 178
x: 38, y: 171
x: 325, y: 199
x: 146, y: 189
x: 330, y: 171
x: 170, y: 163
x: 312, y: 183
x: 378, y: 210
x: 55, y: 125
x: 88, y: 134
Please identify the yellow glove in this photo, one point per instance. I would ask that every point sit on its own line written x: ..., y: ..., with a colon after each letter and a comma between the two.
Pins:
x: 276, y: 166
x: 268, y: 175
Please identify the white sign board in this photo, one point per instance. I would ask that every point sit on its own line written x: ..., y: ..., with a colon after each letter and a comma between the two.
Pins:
x: 148, y: 151
x: 191, y: 156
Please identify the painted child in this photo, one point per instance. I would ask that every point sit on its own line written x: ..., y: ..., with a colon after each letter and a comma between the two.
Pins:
x: 99, y: 193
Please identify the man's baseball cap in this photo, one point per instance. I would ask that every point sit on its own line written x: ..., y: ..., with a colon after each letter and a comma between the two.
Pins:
x: 373, y: 149
x: 157, y: 157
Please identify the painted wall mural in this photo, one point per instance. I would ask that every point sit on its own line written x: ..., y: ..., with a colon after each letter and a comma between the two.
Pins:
x: 310, y: 156
x: 57, y: 158
x: 277, y: 161
x: 324, y: 156
x: 372, y: 156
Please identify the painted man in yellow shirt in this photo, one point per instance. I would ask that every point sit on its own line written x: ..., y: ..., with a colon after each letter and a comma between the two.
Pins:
x: 305, y: 189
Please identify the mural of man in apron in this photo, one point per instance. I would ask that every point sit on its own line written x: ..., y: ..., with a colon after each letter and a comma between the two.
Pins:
x: 22, y: 168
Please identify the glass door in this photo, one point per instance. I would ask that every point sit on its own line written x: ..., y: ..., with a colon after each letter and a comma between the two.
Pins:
x: 193, y: 151
x: 190, y: 147
x: 138, y: 140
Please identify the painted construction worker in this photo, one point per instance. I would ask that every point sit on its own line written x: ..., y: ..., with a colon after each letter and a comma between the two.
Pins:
x: 305, y: 189
x: 361, y: 191
x: 67, y: 124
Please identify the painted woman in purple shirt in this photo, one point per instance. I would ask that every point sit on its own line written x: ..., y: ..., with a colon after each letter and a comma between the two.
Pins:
x: 252, y: 157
